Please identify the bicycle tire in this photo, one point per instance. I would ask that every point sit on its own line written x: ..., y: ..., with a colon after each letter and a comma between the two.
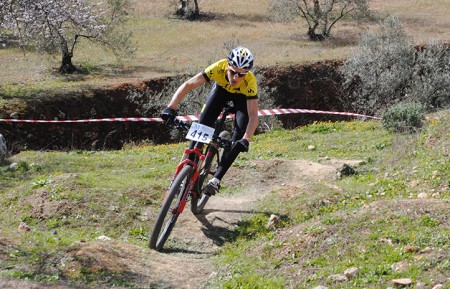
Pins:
x: 199, y: 200
x: 168, y: 214
x: 198, y: 204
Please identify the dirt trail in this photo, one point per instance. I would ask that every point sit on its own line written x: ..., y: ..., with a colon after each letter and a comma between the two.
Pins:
x: 198, y: 238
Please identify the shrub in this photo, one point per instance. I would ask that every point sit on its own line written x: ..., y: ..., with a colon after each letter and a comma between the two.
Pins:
x: 386, y: 69
x: 405, y: 117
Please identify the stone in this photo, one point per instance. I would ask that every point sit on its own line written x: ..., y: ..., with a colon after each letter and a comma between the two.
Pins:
x: 351, y: 273
x: 345, y: 171
x: 338, y: 278
x: 103, y: 238
x: 422, y: 195
x: 400, y: 266
x: 23, y: 227
x: 402, y: 282
x: 409, y: 249
x: 274, y: 222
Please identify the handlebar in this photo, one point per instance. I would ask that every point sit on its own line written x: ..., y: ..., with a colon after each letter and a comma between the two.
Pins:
x: 222, y: 142
x: 181, y: 124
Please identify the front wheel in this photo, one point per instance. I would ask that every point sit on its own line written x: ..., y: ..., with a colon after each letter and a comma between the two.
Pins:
x: 213, y: 157
x: 199, y: 200
x: 171, y: 208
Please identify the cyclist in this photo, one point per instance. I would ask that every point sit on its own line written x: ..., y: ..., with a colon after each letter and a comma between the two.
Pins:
x: 233, y: 81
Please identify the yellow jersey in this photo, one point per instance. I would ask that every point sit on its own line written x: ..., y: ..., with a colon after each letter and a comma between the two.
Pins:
x: 218, y: 72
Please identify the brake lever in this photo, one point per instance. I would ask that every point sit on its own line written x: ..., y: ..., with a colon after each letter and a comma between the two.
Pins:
x: 181, y: 125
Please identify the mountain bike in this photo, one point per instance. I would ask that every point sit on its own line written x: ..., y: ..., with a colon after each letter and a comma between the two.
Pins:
x: 191, y: 174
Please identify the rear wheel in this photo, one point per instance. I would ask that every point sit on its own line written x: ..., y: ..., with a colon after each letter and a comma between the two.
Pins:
x: 171, y: 208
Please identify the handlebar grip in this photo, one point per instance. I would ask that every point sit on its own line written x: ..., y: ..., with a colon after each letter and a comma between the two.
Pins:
x: 181, y: 124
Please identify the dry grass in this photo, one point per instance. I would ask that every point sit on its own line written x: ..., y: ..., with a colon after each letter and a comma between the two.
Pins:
x: 167, y: 46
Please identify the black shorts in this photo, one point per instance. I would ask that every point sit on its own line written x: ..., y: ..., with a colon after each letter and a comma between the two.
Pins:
x: 217, y: 99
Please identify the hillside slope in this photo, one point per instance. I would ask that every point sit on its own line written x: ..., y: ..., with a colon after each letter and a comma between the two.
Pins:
x: 81, y: 219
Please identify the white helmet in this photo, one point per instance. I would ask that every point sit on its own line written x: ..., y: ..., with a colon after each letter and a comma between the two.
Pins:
x: 241, y: 57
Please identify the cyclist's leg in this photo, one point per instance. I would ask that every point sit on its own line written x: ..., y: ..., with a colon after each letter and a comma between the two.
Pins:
x: 213, y: 107
x: 240, y: 124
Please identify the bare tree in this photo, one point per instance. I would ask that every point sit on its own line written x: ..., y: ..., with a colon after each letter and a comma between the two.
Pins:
x: 56, y: 26
x: 320, y: 15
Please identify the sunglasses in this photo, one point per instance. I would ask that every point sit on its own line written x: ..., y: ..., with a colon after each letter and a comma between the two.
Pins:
x: 234, y: 72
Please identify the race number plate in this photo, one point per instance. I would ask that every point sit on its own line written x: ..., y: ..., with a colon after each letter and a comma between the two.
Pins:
x: 199, y: 132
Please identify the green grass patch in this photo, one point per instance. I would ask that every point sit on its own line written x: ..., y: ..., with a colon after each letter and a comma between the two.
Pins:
x: 397, y: 200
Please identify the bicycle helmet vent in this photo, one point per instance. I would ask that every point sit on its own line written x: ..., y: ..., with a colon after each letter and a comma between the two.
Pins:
x: 241, y: 57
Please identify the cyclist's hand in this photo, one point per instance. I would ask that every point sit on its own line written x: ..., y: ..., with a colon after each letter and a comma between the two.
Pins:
x: 242, y: 145
x: 168, y: 115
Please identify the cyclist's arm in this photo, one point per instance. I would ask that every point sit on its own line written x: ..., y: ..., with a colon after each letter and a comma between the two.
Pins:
x: 186, y: 87
x: 252, y: 110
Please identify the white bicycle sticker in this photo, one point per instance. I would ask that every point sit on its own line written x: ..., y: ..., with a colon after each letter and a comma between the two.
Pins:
x: 199, y: 132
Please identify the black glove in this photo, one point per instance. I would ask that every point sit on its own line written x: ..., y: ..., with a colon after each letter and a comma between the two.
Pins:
x: 242, y: 145
x: 169, y: 114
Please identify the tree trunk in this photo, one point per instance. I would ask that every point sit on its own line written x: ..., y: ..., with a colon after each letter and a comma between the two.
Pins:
x: 182, y: 8
x: 196, y: 9
x: 313, y: 35
x: 66, y: 63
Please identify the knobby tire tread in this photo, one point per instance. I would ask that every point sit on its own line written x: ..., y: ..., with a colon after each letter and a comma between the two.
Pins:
x: 163, y: 227
x: 197, y: 204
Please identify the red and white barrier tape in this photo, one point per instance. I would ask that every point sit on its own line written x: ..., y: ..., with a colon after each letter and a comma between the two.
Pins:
x: 122, y: 119
x: 262, y: 112
x: 265, y: 112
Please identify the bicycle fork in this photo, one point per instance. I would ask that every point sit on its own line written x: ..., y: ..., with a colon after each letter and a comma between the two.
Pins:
x: 191, y: 180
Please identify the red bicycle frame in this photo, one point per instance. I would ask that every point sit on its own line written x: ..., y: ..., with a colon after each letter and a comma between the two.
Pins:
x: 186, y: 161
